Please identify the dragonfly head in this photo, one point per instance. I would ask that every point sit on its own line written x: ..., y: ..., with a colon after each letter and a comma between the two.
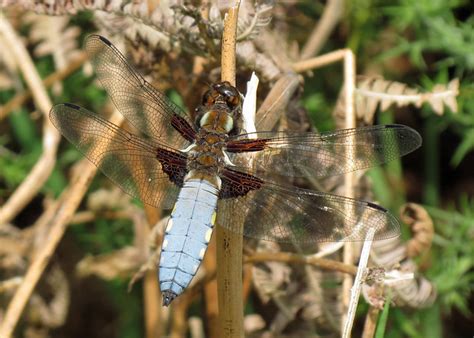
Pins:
x: 220, y: 109
x: 222, y: 93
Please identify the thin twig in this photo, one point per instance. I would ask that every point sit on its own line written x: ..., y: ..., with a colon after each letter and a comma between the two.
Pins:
x: 290, y: 258
x: 370, y: 322
x: 331, y: 16
x: 44, y: 166
x: 356, y: 288
x: 230, y: 244
x: 319, y: 61
x: 58, y: 216
x: 90, y: 216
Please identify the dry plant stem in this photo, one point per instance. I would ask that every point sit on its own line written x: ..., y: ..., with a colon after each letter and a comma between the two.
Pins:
x: 45, y: 164
x: 356, y: 288
x: 230, y: 244
x: 20, y: 98
x: 349, y: 178
x: 370, y: 322
x: 152, y: 308
x: 60, y: 214
x: 180, y: 309
x: 320, y: 61
x: 90, y: 216
x: 331, y: 16
x: 151, y: 293
x: 290, y: 258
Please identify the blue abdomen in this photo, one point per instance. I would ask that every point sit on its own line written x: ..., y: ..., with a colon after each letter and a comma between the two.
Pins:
x: 187, y: 236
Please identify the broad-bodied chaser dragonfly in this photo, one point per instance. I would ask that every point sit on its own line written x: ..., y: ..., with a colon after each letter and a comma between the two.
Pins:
x: 200, y: 165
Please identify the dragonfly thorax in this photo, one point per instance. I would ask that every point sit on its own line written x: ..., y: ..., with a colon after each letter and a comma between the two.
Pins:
x: 217, y: 120
x: 207, y: 154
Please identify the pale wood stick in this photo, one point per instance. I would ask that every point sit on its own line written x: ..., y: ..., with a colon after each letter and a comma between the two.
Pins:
x: 319, y: 61
x: 230, y: 244
x: 349, y: 178
x: 370, y: 322
x: 331, y: 16
x: 357, y: 287
x: 291, y: 258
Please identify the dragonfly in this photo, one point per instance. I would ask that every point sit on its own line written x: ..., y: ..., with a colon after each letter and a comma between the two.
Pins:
x: 208, y: 170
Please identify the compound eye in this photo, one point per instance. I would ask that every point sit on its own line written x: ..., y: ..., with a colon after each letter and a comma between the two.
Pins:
x: 207, y: 98
x: 233, y: 100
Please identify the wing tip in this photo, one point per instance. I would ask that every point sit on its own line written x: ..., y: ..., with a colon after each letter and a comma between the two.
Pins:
x: 72, y: 105
x: 409, y: 131
x: 104, y: 40
x: 92, y: 37
x: 376, y: 206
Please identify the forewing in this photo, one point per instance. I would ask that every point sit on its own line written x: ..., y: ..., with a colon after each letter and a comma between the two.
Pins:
x: 142, y: 168
x: 321, y: 155
x: 147, y: 109
x: 285, y: 214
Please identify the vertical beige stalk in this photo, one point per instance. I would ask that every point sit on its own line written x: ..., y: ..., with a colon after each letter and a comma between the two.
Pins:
x: 350, y: 122
x: 229, y: 244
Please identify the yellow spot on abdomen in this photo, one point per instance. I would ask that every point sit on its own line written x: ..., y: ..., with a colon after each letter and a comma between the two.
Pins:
x: 170, y: 225
x: 202, y: 252
x: 208, y: 235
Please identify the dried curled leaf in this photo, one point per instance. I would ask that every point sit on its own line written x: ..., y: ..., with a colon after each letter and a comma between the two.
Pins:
x: 371, y: 92
x: 251, y: 24
x: 118, y: 264
x: 417, y: 292
x: 51, y: 311
x: 270, y: 277
x: 421, y: 225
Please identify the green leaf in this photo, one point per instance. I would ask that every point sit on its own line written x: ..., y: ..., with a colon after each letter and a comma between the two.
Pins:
x: 467, y: 144
x: 381, y: 325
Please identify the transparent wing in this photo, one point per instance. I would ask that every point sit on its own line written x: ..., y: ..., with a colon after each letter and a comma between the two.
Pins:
x: 144, y: 169
x: 147, y: 109
x: 325, y: 154
x: 287, y: 214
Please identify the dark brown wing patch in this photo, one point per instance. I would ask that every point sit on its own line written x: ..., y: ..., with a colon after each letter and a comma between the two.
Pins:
x: 242, y: 146
x: 183, y: 127
x: 236, y: 183
x: 173, y: 164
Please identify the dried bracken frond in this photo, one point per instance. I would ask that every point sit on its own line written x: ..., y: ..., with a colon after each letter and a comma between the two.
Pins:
x: 118, y: 264
x: 421, y: 225
x: 51, y: 311
x: 371, y: 92
x: 250, y: 25
x: 418, y: 292
x: 168, y: 27
x: 270, y: 278
x: 49, y: 304
x: 52, y: 36
x: 297, y: 293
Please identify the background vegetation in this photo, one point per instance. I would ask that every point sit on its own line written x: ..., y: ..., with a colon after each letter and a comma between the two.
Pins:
x: 419, y: 43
